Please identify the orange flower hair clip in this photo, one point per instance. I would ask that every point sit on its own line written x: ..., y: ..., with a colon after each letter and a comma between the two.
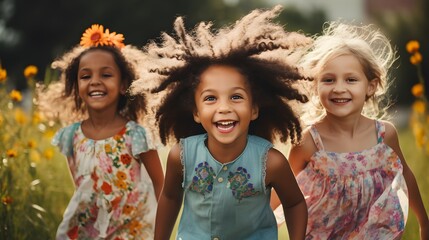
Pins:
x: 96, y: 36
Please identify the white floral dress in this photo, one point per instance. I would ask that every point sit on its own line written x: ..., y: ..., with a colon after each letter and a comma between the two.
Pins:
x: 114, y: 197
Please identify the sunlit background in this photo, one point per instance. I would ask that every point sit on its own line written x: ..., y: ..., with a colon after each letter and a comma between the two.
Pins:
x: 34, y: 180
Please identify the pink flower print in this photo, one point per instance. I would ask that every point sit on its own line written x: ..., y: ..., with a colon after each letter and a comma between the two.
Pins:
x: 350, y: 157
x: 133, y: 197
x: 134, y: 172
x: 105, y: 163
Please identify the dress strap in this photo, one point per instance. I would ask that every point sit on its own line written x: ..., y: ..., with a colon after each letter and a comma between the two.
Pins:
x: 381, y: 130
x: 316, y: 138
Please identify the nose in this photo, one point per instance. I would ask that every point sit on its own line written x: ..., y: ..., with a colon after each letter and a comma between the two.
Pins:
x: 224, y: 107
x: 94, y: 81
x: 339, y: 87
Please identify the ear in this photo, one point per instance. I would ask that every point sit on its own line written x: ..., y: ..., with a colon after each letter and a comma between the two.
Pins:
x: 255, y: 112
x: 372, y: 87
x: 196, y: 117
x: 123, y: 90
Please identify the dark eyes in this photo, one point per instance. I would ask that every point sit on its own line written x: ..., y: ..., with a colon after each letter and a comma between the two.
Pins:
x: 209, y: 98
x: 331, y: 80
x: 213, y: 98
x: 88, y: 76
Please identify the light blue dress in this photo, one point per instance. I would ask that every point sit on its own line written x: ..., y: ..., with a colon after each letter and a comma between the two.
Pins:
x: 226, y: 201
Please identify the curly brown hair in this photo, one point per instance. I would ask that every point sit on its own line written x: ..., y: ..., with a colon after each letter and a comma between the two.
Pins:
x: 259, y: 49
x: 129, y: 107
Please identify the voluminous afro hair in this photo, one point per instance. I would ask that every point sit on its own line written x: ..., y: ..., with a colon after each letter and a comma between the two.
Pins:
x: 258, y: 48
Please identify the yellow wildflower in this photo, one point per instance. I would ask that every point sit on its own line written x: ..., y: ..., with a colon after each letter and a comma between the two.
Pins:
x: 419, y: 133
x: 34, y: 156
x: 30, y: 71
x: 412, y: 46
x: 48, y: 134
x: 11, y: 153
x: 20, y: 116
x: 417, y: 90
x: 416, y: 58
x: 37, y: 117
x: 32, y: 143
x: 419, y: 106
x: 48, y: 153
x: 3, y: 75
x: 15, y: 95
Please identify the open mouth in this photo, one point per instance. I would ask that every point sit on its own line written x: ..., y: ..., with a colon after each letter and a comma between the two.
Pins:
x: 225, y: 126
x: 341, y: 100
x: 97, y: 94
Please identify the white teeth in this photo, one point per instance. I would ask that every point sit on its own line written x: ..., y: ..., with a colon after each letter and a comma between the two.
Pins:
x: 96, y: 93
x: 340, y: 100
x: 226, y: 123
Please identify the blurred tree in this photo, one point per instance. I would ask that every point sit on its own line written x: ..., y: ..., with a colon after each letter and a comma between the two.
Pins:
x: 403, y: 25
x: 36, y: 32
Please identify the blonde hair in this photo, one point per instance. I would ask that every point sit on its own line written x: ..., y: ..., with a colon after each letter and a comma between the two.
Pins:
x: 368, y: 45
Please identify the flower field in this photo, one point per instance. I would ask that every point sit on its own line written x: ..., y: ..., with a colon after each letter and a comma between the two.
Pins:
x: 34, y: 180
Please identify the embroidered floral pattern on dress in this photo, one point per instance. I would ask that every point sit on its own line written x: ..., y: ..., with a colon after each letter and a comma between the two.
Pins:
x: 202, y: 182
x: 238, y: 182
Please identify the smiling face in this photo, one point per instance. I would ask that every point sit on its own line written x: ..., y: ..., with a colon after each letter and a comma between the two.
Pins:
x: 224, y: 104
x: 99, y: 81
x: 343, y: 87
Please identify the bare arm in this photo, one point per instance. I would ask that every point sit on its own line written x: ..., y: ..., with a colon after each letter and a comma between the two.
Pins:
x: 300, y: 155
x: 152, y: 163
x: 281, y: 178
x: 416, y: 202
x: 171, y: 196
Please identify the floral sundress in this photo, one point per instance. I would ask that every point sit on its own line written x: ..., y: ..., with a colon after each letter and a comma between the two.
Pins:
x: 356, y: 195
x: 114, y: 197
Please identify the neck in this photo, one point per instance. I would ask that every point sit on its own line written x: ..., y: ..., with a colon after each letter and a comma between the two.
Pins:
x: 225, y: 153
x: 99, y: 122
x: 349, y: 125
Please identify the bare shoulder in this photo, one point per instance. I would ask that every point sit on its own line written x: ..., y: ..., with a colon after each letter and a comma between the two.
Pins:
x: 174, y: 159
x: 277, y: 168
x: 306, y: 148
x: 392, y: 140
x: 391, y: 134
x: 300, y: 155
x: 275, y: 158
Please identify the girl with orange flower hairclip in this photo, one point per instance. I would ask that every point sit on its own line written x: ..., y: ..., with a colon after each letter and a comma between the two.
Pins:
x: 113, y: 160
